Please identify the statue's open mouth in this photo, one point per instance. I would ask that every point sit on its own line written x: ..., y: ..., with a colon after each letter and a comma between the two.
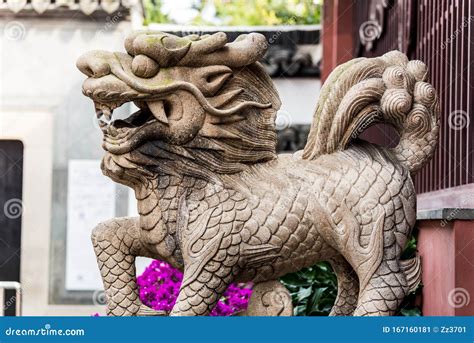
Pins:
x: 122, y: 127
x: 182, y: 86
x: 174, y: 115
x: 120, y: 131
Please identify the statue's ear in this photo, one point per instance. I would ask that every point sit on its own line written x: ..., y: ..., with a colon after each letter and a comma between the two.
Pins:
x: 210, y: 79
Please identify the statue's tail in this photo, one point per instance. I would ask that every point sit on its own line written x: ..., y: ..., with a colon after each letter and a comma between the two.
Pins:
x: 366, y: 91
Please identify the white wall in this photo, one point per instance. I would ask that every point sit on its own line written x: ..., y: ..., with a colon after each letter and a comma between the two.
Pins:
x: 37, y: 78
x: 298, y: 97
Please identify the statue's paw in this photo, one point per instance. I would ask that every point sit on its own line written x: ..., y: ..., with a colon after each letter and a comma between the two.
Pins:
x: 146, y: 311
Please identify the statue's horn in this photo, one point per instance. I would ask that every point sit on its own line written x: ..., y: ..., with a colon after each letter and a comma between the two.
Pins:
x: 166, y: 50
x: 245, y: 50
x: 169, y: 50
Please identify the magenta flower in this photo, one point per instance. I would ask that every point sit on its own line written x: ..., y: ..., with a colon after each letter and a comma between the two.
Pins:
x: 159, y: 287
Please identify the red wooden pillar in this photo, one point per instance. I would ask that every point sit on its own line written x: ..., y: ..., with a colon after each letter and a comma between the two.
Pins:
x: 338, y: 40
x: 447, y: 250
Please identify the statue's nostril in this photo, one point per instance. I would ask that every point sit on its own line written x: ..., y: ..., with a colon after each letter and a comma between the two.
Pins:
x: 88, y: 71
x: 83, y: 65
x: 100, y: 69
x: 94, y: 64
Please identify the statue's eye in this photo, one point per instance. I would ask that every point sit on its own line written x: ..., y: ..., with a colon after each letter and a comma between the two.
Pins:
x: 144, y: 66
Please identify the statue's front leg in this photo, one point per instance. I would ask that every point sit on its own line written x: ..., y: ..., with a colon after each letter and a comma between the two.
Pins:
x: 204, y: 282
x: 116, y: 244
x: 198, y: 298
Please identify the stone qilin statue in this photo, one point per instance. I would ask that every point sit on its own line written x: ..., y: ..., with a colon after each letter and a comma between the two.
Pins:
x: 216, y: 201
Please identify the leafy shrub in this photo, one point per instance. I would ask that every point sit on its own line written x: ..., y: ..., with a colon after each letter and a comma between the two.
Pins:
x: 268, y: 12
x: 314, y: 289
x: 238, y: 12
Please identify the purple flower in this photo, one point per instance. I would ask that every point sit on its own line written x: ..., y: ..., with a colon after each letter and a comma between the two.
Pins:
x: 159, y: 287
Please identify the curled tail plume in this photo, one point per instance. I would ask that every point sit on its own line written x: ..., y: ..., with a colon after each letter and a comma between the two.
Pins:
x: 366, y: 91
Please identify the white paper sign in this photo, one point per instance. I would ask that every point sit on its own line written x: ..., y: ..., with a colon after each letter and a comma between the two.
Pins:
x: 90, y: 200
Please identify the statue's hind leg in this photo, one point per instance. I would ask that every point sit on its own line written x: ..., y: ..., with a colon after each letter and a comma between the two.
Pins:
x: 347, y: 287
x: 386, y: 280
x: 116, y: 244
x: 384, y: 291
x: 382, y: 282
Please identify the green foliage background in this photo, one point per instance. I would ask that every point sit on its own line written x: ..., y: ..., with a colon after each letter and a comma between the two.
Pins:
x: 268, y: 12
x: 245, y: 12
x: 314, y: 289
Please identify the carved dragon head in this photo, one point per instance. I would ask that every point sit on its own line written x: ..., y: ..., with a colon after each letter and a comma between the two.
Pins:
x: 204, y: 103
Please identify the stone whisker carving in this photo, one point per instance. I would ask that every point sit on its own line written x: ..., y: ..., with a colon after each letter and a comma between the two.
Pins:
x: 216, y: 201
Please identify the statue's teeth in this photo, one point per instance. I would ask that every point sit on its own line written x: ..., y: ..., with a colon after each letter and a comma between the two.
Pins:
x: 112, y: 130
x: 114, y: 105
x: 107, y: 112
x: 103, y: 126
x: 158, y: 110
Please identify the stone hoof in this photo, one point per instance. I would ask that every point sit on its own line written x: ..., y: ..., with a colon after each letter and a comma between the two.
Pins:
x: 146, y: 311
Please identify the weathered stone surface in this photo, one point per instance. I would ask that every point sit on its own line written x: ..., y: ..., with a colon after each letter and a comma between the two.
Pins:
x: 269, y: 298
x: 217, y: 201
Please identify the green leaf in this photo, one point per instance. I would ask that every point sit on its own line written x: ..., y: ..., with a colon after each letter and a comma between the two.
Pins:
x: 299, y: 310
x: 314, y: 300
x: 411, y: 312
x: 295, y: 280
x: 304, y: 293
